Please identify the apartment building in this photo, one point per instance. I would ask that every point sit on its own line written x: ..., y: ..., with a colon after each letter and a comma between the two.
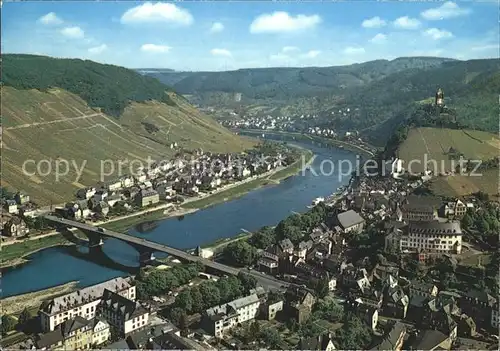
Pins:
x: 125, y: 315
x: 419, y: 208
x: 427, y: 236
x: 224, y: 317
x: 72, y: 334
x: 82, y: 303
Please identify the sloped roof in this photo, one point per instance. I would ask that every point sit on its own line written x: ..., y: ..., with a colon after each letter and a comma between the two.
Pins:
x: 121, y: 305
x: 85, y: 295
x: 349, y: 218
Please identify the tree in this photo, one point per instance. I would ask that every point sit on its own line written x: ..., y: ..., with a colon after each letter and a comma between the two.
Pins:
x: 240, y: 253
x: 247, y: 281
x: 176, y: 315
x: 354, y: 335
x: 272, y: 338
x: 263, y: 238
x: 329, y: 309
x: 210, y: 293
x: 482, y: 225
x: 322, y: 287
x: 293, y: 233
x: 467, y: 221
x: 24, y: 317
x: 253, y: 331
x: 8, y: 324
x: 184, y: 300
x: 197, y: 297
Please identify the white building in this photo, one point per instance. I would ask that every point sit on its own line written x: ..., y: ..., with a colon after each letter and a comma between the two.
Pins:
x: 86, y: 193
x: 100, y: 331
x: 224, y: 317
x: 351, y: 221
x: 12, y: 207
x: 124, y: 314
x: 81, y: 303
x: 425, y: 236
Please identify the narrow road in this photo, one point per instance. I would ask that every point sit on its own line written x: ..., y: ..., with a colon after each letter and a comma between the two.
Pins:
x: 69, y: 119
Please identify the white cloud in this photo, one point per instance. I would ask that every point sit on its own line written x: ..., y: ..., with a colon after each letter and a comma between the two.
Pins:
x: 406, y: 22
x: 312, y: 54
x: 486, y: 47
x: 282, y: 22
x: 350, y: 50
x: 217, y: 27
x: 447, y: 10
x: 374, y: 22
x: 158, y: 12
x: 437, y: 34
x: 97, y: 49
x: 155, y: 48
x: 50, y: 19
x: 290, y: 49
x: 73, y: 32
x: 221, y: 52
x: 379, y: 38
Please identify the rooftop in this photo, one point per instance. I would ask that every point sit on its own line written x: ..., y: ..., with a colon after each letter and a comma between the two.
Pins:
x: 85, y: 295
x: 435, y: 227
x: 121, y: 305
x: 349, y: 218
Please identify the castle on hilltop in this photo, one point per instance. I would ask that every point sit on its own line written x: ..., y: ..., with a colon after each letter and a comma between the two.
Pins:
x: 439, y: 101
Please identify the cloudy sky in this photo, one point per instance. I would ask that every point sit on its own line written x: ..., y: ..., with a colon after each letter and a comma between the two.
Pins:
x: 222, y: 35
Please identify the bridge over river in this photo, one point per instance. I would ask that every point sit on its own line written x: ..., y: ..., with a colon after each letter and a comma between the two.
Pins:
x: 146, y: 249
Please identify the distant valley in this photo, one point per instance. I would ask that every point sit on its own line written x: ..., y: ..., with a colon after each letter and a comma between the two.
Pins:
x: 383, y: 92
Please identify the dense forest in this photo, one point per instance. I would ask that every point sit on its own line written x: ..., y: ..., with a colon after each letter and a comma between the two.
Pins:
x: 108, y: 87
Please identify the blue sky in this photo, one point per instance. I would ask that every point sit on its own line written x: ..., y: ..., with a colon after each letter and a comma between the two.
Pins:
x: 223, y: 35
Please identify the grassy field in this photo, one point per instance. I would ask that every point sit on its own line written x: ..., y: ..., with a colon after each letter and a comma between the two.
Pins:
x: 59, y: 125
x: 436, y: 142
x: 464, y: 185
x: 13, y: 254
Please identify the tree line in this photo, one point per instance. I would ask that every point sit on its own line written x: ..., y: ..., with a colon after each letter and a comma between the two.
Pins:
x: 108, y: 87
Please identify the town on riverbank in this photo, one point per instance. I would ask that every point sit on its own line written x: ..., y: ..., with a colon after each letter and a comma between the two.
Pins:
x: 169, y: 189
x: 381, y: 265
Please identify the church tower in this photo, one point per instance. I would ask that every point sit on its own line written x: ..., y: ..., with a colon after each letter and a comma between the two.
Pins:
x: 439, y: 98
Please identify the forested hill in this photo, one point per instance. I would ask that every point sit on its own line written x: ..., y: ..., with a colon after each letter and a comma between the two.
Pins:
x: 470, y: 89
x: 283, y: 84
x: 108, y: 87
x: 60, y: 109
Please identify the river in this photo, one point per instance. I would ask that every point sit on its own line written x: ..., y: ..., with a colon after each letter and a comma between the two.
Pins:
x: 264, y: 206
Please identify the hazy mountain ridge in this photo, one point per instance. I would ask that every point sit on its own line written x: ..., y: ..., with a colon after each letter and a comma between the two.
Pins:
x: 282, y: 84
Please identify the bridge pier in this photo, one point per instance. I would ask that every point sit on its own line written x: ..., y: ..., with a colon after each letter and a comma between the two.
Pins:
x: 95, y: 241
x: 146, y: 258
x: 146, y: 254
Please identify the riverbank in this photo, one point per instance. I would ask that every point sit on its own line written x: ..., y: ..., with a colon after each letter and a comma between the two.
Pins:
x: 15, y: 253
x: 33, y: 300
x: 307, y: 157
x: 301, y: 136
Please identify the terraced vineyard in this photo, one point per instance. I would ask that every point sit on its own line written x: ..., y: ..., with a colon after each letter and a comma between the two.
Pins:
x: 58, y: 125
x: 436, y: 143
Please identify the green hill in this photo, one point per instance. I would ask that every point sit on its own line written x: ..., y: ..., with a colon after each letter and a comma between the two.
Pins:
x: 283, y: 84
x: 383, y: 93
x: 83, y: 111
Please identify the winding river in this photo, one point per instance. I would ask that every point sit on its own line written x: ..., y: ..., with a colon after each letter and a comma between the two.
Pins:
x: 264, y: 206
